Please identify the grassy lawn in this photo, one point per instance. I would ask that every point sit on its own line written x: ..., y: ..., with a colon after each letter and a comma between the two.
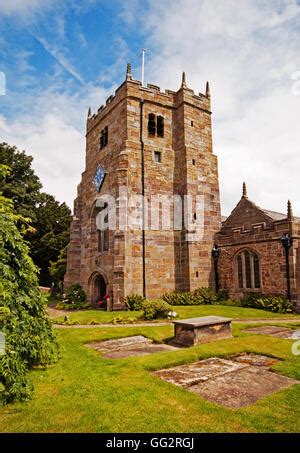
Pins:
x: 100, y: 316
x: 85, y: 393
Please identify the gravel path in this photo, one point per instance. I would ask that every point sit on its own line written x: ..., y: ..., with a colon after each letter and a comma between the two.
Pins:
x: 54, y: 313
x: 157, y: 324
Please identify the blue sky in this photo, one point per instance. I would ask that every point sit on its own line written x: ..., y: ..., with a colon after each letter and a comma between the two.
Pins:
x: 60, y: 57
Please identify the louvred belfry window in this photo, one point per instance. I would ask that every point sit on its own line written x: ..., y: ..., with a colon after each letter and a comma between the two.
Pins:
x: 103, y: 137
x: 151, y: 124
x: 160, y: 126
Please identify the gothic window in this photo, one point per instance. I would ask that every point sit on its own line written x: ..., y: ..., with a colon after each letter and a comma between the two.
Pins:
x: 240, y: 271
x: 256, y: 271
x: 248, y: 270
x: 99, y: 241
x: 103, y: 233
x: 160, y: 126
x: 151, y: 124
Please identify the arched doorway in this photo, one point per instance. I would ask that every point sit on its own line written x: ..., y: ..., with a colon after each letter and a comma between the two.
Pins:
x: 99, y: 288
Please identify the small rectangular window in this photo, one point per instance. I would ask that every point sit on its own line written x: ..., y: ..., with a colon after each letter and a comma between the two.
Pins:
x: 192, y: 123
x: 160, y: 126
x: 194, y: 162
x: 151, y: 124
x: 157, y: 156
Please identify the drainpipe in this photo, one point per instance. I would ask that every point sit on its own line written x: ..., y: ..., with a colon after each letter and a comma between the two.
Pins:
x: 143, y: 195
x: 286, y: 242
x: 216, y: 253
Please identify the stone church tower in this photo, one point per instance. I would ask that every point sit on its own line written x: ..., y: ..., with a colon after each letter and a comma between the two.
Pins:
x: 152, y: 143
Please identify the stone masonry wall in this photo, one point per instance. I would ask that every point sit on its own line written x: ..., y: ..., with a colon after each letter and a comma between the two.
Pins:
x: 263, y: 238
x: 188, y: 166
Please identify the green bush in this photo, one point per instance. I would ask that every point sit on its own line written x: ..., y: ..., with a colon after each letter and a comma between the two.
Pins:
x: 124, y: 320
x: 249, y: 299
x: 230, y: 303
x: 222, y: 295
x: 201, y: 296
x: 155, y: 308
x: 75, y: 294
x: 275, y: 304
x: 205, y: 296
x: 179, y: 298
x: 134, y: 302
x: 30, y: 340
x: 74, y: 299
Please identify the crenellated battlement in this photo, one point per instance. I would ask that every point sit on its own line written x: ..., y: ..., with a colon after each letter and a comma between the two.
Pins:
x: 132, y: 88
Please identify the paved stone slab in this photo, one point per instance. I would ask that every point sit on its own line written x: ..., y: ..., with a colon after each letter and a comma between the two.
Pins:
x: 138, y: 351
x: 254, y: 359
x: 129, y: 346
x: 273, y: 331
x: 235, y: 382
x: 202, y: 321
x: 187, y: 375
x: 242, y: 387
x: 119, y: 343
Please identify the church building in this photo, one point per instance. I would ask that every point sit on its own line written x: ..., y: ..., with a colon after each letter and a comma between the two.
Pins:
x: 150, y: 162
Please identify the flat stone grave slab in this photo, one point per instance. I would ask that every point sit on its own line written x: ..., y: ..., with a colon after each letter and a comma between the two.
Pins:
x: 250, y: 358
x: 193, y: 331
x: 129, y: 346
x: 235, y: 382
x: 278, y: 332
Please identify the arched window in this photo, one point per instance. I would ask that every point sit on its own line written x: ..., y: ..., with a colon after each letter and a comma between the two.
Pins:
x: 248, y: 270
x: 240, y: 271
x: 256, y: 271
x: 103, y: 231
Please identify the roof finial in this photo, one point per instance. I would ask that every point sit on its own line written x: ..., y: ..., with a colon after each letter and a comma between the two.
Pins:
x: 290, y: 214
x: 183, y: 83
x: 207, y: 92
x: 89, y: 113
x: 245, y: 194
x: 128, y: 72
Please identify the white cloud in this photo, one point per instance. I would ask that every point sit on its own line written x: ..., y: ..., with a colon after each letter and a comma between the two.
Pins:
x: 54, y: 134
x: 56, y: 53
x: 23, y: 6
x: 248, y: 53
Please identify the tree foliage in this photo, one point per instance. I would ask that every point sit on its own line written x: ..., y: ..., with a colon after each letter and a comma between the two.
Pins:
x: 50, y: 219
x: 51, y: 234
x: 20, y: 185
x: 57, y: 268
x: 23, y: 320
